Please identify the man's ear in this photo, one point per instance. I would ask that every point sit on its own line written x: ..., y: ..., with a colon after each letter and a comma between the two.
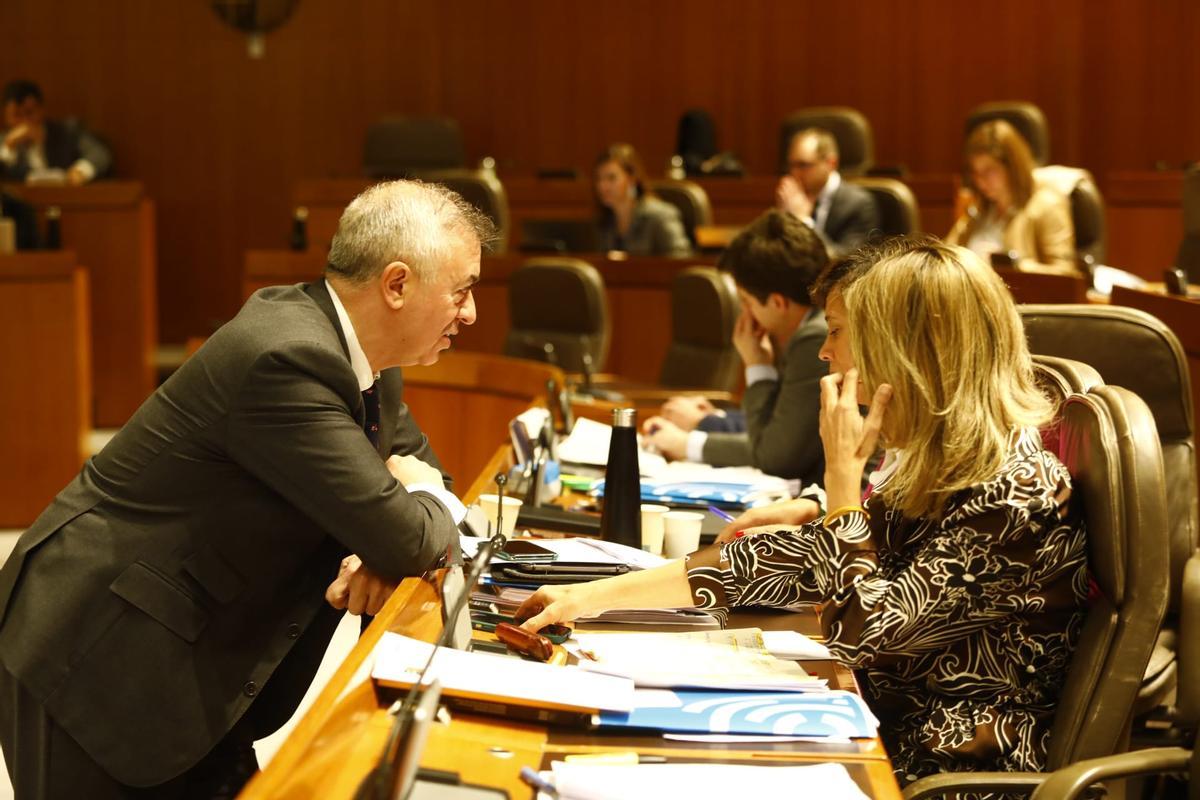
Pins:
x: 396, y: 283
x: 776, y: 301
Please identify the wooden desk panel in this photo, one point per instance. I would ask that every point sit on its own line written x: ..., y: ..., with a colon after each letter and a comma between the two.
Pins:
x: 111, y: 227
x: 46, y: 403
x: 1144, y: 214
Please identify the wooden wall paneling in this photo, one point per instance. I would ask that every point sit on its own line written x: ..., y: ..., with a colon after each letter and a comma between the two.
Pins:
x: 45, y: 408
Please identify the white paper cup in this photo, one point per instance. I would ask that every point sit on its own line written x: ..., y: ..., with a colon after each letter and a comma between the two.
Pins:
x: 490, y: 503
x: 652, y: 528
x: 681, y: 533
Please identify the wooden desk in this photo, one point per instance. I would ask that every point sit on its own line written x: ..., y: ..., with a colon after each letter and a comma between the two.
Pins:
x: 46, y: 404
x: 1144, y: 214
x: 110, y: 226
x: 638, y: 289
x: 342, y: 734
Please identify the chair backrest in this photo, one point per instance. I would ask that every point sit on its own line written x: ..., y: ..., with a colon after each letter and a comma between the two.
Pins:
x: 898, y: 212
x: 1130, y: 348
x: 851, y: 130
x: 1087, y: 207
x: 1107, y: 440
x: 1027, y: 118
x: 402, y: 146
x: 482, y: 189
x: 560, y: 301
x: 704, y: 307
x: 691, y: 200
x: 1188, y: 258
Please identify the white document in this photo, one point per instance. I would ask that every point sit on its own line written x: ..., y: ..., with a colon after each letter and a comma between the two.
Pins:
x: 399, y: 659
x: 634, y: 782
x: 721, y: 659
x: 794, y: 645
x: 588, y: 444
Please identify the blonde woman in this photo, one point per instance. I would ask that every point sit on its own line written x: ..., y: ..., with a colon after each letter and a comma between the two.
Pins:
x: 957, y: 588
x: 1008, y: 213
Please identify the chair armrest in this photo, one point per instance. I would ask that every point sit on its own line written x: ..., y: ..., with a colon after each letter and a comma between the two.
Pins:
x: 951, y: 782
x: 1071, y: 781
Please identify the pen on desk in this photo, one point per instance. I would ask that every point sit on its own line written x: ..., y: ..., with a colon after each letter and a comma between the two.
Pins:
x: 538, y: 782
x: 720, y: 513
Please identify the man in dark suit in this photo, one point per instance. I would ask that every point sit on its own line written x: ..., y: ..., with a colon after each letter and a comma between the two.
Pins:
x: 31, y: 144
x: 169, y: 607
x: 814, y: 191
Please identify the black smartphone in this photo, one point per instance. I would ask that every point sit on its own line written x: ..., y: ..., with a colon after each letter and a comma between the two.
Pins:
x: 525, y: 550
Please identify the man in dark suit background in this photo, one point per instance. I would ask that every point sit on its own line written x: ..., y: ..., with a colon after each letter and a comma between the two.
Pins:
x: 169, y: 607
x: 814, y: 191
x: 31, y: 144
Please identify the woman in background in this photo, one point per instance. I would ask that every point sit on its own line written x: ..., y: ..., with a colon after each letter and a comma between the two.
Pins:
x: 629, y: 217
x: 957, y: 588
x: 1009, y: 213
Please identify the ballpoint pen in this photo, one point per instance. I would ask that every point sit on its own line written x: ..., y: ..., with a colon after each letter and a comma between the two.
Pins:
x: 720, y: 513
x: 530, y: 776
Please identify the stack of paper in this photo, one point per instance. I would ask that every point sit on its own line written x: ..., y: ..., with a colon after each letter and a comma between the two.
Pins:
x: 588, y: 444
x: 689, y: 484
x: 653, y: 781
x: 725, y: 660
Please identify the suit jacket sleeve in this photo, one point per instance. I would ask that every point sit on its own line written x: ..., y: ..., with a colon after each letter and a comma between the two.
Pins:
x: 856, y: 222
x: 294, y: 428
x: 95, y: 152
x: 1053, y: 235
x: 669, y: 237
x: 723, y: 449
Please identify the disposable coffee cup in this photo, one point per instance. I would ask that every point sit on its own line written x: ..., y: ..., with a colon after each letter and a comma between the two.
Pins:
x: 681, y: 533
x: 652, y: 528
x: 490, y: 503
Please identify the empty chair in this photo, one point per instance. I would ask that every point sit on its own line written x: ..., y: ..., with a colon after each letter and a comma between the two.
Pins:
x: 482, y: 189
x: 855, y: 141
x: 1027, y: 118
x: 1087, y: 208
x: 691, y: 200
x: 558, y: 302
x: 704, y: 307
x: 1133, y: 349
x: 1106, y: 439
x: 400, y: 147
x: 1188, y: 258
x: 898, y: 211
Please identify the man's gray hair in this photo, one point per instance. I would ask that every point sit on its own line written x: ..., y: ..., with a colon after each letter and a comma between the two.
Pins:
x: 410, y: 221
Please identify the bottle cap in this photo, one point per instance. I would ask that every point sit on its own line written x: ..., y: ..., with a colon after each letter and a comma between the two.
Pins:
x: 624, y: 417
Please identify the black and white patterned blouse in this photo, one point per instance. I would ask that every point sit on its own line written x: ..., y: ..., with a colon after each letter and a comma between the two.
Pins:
x: 961, y: 629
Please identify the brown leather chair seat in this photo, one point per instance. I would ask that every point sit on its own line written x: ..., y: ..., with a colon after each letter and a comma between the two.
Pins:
x: 851, y: 130
x: 704, y: 308
x: 1027, y: 118
x: 560, y: 302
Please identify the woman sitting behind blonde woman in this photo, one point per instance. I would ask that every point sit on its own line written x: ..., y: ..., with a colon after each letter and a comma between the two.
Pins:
x: 629, y: 218
x: 1009, y: 213
x: 957, y: 588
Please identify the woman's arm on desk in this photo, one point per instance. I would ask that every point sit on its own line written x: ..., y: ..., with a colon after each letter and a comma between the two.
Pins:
x: 661, y: 587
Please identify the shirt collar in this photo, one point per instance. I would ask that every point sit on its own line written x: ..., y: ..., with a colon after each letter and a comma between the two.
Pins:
x: 831, y: 185
x: 358, y: 359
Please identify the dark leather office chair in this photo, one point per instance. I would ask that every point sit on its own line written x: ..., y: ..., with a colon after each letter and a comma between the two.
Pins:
x: 898, y: 211
x: 403, y: 146
x: 704, y: 308
x: 1133, y: 349
x: 482, y: 189
x: 1188, y: 258
x: 691, y: 200
x: 1071, y: 782
x: 1027, y: 118
x: 1107, y: 440
x: 1087, y: 208
x: 560, y: 302
x: 852, y: 130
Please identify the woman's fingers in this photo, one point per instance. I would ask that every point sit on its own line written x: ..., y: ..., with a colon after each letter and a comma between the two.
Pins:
x: 874, y: 421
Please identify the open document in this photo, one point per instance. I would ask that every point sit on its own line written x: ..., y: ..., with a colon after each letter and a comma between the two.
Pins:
x: 654, y: 781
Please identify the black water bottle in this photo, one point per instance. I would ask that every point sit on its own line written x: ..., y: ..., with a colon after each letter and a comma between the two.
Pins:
x: 53, y: 240
x: 299, y: 240
x: 621, y: 517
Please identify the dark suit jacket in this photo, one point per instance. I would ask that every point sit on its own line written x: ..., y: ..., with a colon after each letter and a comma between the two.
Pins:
x: 852, y: 216
x: 66, y: 142
x: 782, y: 436
x: 186, y: 565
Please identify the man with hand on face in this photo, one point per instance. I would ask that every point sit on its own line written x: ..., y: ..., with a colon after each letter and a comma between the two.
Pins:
x: 31, y: 144
x: 813, y: 191
x: 169, y: 607
x: 778, y: 336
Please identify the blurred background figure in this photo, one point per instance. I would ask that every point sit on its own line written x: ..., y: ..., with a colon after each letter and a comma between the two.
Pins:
x: 1009, y: 218
x: 35, y: 148
x: 629, y: 217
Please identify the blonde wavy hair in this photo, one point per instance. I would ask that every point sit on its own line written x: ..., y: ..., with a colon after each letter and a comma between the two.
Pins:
x: 940, y: 327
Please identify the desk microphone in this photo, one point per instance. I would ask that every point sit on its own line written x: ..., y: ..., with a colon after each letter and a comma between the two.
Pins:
x: 550, y: 354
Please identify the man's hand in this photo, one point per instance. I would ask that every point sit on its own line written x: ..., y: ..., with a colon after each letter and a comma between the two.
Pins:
x: 686, y: 411
x: 410, y: 470
x: 785, y: 513
x: 670, y: 440
x: 751, y: 340
x: 76, y: 176
x: 358, y: 589
x: 790, y: 197
x: 21, y: 135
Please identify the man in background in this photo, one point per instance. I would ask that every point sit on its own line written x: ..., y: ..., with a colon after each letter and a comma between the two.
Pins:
x: 32, y: 145
x: 814, y: 191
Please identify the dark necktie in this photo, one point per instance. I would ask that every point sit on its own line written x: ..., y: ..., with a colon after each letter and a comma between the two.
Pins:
x: 371, y: 417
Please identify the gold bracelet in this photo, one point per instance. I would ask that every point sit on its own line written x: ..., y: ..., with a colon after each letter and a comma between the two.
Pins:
x: 831, y: 516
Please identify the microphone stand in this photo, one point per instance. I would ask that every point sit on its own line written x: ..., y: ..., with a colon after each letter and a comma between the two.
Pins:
x: 379, y: 782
